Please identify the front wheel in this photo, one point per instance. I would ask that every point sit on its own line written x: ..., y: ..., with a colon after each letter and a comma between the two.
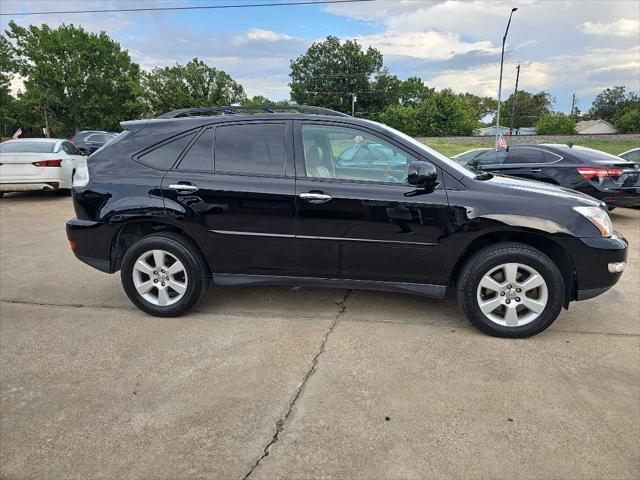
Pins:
x: 511, y: 290
x: 164, y: 274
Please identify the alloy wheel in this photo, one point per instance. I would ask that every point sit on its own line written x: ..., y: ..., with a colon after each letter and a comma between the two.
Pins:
x: 160, y: 278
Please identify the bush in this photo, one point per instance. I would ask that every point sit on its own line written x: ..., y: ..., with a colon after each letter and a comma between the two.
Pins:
x: 556, y: 124
x: 628, y: 119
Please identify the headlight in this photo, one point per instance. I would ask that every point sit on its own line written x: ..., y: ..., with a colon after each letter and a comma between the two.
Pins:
x: 81, y: 177
x: 599, y: 217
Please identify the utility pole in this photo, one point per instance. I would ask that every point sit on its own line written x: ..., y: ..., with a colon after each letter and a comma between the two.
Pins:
x: 354, y: 99
x: 515, y: 101
x: 46, y: 122
x: 504, y: 39
x: 573, y: 104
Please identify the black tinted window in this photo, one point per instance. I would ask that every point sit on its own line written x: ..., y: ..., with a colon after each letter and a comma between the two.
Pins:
x: 164, y: 156
x: 525, y: 155
x: 491, y: 157
x: 250, y: 149
x: 198, y: 157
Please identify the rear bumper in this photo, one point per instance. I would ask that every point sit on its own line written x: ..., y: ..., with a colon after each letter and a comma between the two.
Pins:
x: 29, y: 187
x: 622, y: 197
x: 91, y: 243
x: 591, y: 258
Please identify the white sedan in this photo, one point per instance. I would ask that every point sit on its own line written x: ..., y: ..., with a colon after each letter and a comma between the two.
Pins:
x: 37, y: 164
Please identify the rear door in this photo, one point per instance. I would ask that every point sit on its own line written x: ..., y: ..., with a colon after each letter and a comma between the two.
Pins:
x: 235, y: 185
x: 364, y: 221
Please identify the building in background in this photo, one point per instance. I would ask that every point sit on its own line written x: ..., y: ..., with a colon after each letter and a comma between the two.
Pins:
x: 594, y: 127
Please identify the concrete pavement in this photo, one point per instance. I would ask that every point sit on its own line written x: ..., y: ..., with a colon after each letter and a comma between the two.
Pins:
x: 263, y: 382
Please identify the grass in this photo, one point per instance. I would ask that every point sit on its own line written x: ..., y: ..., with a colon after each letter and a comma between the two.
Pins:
x: 615, y: 147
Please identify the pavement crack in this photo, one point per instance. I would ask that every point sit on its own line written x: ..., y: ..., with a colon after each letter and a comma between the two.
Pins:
x: 281, y: 423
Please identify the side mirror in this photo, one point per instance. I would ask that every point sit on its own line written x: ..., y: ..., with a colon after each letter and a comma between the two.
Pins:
x: 423, y: 174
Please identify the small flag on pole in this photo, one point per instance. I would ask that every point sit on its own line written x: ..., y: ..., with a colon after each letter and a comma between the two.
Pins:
x: 18, y: 133
x: 501, y: 143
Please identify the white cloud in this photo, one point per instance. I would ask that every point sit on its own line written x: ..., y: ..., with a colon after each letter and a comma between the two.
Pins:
x: 624, y: 27
x: 259, y: 34
x: 428, y: 45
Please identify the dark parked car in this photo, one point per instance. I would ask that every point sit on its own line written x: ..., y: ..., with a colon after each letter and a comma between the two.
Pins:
x: 89, y: 141
x: 465, y: 157
x: 632, y: 155
x: 599, y: 174
x: 242, y: 199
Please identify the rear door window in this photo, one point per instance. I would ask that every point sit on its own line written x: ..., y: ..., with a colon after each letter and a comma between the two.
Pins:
x: 199, y: 156
x: 491, y: 157
x: 525, y: 155
x: 250, y: 148
x: 166, y: 155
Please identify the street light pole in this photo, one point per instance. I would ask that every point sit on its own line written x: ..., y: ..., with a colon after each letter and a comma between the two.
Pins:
x: 504, y: 39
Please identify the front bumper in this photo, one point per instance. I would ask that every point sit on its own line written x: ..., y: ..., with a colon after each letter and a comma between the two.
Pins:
x: 591, y: 258
x: 91, y: 243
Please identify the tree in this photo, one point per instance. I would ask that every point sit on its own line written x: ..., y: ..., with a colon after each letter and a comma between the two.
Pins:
x: 556, y: 124
x: 413, y: 91
x: 529, y: 108
x: 331, y: 72
x: 262, y: 100
x: 441, y: 113
x: 84, y: 80
x: 192, y: 85
x: 611, y: 101
x: 628, y: 119
x: 7, y: 102
x: 480, y: 106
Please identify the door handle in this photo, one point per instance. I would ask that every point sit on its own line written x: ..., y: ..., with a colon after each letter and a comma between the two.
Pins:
x: 535, y: 170
x: 183, y: 187
x: 315, y: 197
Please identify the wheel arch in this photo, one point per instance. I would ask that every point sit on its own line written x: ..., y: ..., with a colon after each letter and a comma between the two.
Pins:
x: 132, y: 231
x: 546, y: 245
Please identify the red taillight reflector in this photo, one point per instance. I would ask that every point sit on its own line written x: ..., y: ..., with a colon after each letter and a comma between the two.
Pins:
x: 72, y: 244
x: 595, y: 173
x: 48, y: 163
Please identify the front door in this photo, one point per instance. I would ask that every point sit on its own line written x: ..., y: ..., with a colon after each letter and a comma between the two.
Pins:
x: 358, y: 218
x: 242, y: 198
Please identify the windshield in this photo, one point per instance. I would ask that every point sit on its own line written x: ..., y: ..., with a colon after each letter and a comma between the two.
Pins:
x: 27, y: 147
x: 429, y: 151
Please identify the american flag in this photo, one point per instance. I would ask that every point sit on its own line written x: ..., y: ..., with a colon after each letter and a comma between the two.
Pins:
x: 501, y: 143
x: 18, y: 133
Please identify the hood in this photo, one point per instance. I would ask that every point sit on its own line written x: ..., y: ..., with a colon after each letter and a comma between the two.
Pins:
x: 544, y: 189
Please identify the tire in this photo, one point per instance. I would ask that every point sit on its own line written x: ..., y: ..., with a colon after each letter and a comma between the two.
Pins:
x: 178, y: 253
x: 497, y: 263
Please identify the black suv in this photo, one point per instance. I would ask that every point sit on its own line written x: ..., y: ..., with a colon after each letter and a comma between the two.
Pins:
x: 255, y: 195
x: 88, y: 141
x: 606, y: 177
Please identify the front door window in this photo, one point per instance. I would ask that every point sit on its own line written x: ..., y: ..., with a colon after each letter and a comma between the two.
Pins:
x: 342, y: 153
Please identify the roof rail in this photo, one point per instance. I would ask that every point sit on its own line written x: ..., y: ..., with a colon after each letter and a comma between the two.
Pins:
x: 251, y: 109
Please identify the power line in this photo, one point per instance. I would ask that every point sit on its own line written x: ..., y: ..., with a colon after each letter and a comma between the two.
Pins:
x: 193, y: 7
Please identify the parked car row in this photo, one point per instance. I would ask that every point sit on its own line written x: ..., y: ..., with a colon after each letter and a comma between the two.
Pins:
x: 46, y: 164
x: 310, y: 196
x: 610, y: 178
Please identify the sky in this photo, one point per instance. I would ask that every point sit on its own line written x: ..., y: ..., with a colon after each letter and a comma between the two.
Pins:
x: 564, y: 47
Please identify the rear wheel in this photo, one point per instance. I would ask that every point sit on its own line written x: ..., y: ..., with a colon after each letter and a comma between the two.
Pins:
x: 164, y: 274
x: 511, y: 290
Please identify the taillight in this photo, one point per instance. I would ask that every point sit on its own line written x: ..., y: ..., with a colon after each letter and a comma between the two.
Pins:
x: 596, y: 173
x: 48, y: 163
x: 72, y: 244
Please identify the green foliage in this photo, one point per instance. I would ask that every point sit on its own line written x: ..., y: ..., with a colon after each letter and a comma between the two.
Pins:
x: 529, y: 109
x: 627, y: 120
x: 85, y: 80
x: 262, y: 100
x: 439, y: 114
x: 7, y: 102
x: 331, y: 72
x: 192, y: 85
x: 556, y: 124
x: 413, y: 91
x: 480, y: 106
x: 611, y: 101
